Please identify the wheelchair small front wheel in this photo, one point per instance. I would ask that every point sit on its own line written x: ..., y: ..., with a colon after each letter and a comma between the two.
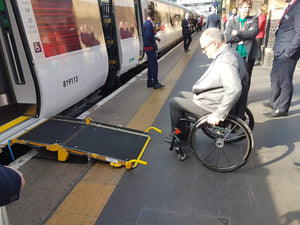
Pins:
x: 181, y: 156
x: 226, y: 151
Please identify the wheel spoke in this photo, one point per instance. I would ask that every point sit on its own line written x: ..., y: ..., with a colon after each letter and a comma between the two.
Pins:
x: 225, y: 147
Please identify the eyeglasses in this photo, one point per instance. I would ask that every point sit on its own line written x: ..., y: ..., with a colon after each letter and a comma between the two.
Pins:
x: 204, y: 48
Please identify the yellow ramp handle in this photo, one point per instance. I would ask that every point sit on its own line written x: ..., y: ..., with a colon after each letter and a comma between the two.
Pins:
x: 154, y: 128
x: 129, y: 163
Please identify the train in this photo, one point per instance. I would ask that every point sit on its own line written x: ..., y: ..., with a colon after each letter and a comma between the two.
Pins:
x: 55, y: 53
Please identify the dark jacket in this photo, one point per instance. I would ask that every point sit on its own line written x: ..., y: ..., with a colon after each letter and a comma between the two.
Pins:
x: 148, y: 34
x: 288, y: 35
x: 247, y: 35
x: 220, y: 87
x: 185, y: 27
x: 213, y: 20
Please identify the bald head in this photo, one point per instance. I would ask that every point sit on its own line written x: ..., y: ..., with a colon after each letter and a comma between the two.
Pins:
x: 212, y: 35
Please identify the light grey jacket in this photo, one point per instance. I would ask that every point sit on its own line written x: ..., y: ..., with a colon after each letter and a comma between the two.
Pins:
x: 219, y: 88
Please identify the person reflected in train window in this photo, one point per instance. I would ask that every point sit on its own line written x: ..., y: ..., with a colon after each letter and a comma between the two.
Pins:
x: 11, y: 183
x: 87, y: 36
x: 150, y: 47
x: 186, y: 32
x: 122, y: 29
x: 132, y: 30
x: 127, y: 32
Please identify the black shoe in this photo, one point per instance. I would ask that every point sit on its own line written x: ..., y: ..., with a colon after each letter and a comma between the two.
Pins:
x: 297, y: 165
x: 157, y: 86
x: 268, y: 105
x: 257, y: 63
x: 276, y: 113
x: 185, y: 50
x: 149, y: 83
x: 188, y: 50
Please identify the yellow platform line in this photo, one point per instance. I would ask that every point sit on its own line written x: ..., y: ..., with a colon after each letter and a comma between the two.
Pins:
x: 88, y: 198
x: 13, y: 123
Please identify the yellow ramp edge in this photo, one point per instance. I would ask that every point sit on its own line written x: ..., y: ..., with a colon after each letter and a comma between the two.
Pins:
x: 88, y: 198
x: 13, y: 123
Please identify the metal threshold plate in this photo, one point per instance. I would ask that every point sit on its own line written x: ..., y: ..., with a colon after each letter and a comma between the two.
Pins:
x: 154, y: 217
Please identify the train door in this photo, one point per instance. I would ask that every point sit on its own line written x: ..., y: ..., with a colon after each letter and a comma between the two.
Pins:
x: 17, y: 89
x: 140, y: 22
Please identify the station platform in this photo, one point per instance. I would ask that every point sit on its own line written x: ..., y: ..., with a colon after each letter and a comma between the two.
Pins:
x: 168, y: 191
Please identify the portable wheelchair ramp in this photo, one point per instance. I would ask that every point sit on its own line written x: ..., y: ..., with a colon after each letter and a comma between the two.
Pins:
x: 118, y: 145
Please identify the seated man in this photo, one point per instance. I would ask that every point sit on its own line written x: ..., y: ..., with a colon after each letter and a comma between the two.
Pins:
x: 11, y: 182
x: 218, y: 89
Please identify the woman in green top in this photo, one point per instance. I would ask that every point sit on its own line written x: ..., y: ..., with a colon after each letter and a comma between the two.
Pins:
x: 241, y: 32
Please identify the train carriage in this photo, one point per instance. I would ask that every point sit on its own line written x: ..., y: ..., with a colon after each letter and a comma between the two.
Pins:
x: 55, y: 53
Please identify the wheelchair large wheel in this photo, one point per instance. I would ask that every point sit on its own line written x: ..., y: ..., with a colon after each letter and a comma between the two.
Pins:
x: 223, y: 153
x: 238, y: 135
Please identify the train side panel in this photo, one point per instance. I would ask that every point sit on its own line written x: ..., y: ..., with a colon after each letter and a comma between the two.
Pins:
x: 128, y: 39
x: 169, y: 19
x: 68, y: 50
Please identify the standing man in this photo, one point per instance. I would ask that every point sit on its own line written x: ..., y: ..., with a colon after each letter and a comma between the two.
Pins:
x: 224, y: 20
x: 213, y: 20
x: 186, y: 32
x: 150, y: 47
x: 286, y: 54
x: 240, y: 34
x: 233, y: 13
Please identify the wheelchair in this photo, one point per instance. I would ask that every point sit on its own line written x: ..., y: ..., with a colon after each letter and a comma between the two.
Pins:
x: 223, y: 148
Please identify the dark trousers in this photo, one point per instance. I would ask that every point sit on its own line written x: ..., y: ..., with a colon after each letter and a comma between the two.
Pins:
x: 187, y: 39
x: 249, y: 66
x: 183, y: 104
x: 282, y: 82
x: 259, y: 42
x: 152, y: 67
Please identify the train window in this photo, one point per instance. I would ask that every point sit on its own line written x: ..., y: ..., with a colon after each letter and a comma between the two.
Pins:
x: 176, y: 19
x: 67, y: 25
x: 171, y: 20
x: 164, y: 16
x: 127, y: 21
x: 157, y: 18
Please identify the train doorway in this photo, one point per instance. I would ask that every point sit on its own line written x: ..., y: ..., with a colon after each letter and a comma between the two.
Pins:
x: 140, y: 21
x: 17, y: 89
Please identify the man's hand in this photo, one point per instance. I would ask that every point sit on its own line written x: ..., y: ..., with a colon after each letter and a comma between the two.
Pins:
x: 234, y: 32
x: 211, y: 119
